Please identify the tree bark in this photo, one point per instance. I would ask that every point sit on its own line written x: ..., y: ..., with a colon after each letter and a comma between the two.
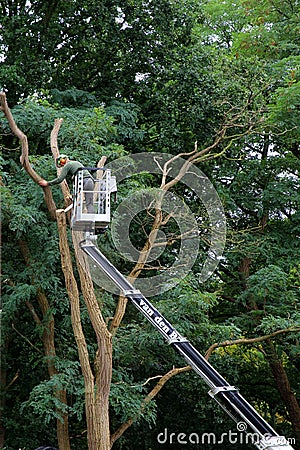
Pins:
x: 25, y: 151
x: 96, y: 388
x: 48, y: 333
x: 55, y: 152
x: 284, y: 386
x: 97, y: 405
x: 50, y: 353
x: 73, y: 293
x: 103, y: 359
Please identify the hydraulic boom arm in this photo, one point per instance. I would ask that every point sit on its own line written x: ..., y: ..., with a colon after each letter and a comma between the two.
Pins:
x: 226, y: 395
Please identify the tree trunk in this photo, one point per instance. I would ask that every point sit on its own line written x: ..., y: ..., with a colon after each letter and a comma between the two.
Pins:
x: 96, y: 389
x: 284, y: 387
x: 48, y: 334
x: 62, y: 425
x: 103, y: 360
x: 50, y: 353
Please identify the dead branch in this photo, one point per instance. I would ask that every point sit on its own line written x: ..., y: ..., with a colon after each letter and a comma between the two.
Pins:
x: 195, y: 156
x: 53, y: 137
x: 166, y: 169
x: 20, y: 135
x: 163, y: 380
x: 148, y: 380
x: 190, y: 234
x: 14, y: 379
x: 55, y: 152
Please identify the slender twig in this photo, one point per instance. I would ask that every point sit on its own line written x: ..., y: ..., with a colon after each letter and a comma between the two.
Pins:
x: 26, y: 339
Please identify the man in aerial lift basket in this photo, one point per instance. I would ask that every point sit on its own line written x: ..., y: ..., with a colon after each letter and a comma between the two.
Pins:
x: 70, y: 168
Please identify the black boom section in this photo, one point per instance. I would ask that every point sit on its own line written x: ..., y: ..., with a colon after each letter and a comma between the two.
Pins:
x: 226, y: 395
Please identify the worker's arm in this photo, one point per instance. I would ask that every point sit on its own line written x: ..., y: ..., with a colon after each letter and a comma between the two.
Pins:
x: 61, y: 177
x: 57, y: 180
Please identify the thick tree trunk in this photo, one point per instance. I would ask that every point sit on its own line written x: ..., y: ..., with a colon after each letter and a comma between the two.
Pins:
x: 97, y: 405
x: 284, y: 387
x: 48, y: 335
x: 96, y: 389
x: 73, y: 293
x: 103, y: 360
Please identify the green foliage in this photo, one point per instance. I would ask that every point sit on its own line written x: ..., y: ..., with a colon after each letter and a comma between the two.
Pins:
x: 102, y: 46
x: 126, y: 117
x: 127, y: 399
x: 284, y: 111
x: 72, y: 98
x: 267, y: 287
x: 85, y: 134
x: 43, y: 404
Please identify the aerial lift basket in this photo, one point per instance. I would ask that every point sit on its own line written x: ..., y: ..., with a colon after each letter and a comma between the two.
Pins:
x: 99, y: 217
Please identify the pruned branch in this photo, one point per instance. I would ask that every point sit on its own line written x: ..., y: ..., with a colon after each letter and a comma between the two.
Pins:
x: 55, y: 152
x: 24, y: 158
x: 20, y: 135
x: 53, y: 137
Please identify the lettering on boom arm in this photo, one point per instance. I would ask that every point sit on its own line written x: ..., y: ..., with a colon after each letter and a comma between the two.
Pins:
x: 169, y: 333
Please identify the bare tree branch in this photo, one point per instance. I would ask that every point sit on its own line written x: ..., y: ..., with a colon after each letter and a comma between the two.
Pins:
x: 24, y: 159
x: 216, y: 345
x: 163, y: 380
x: 55, y: 152
x: 195, y: 156
x: 26, y: 339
